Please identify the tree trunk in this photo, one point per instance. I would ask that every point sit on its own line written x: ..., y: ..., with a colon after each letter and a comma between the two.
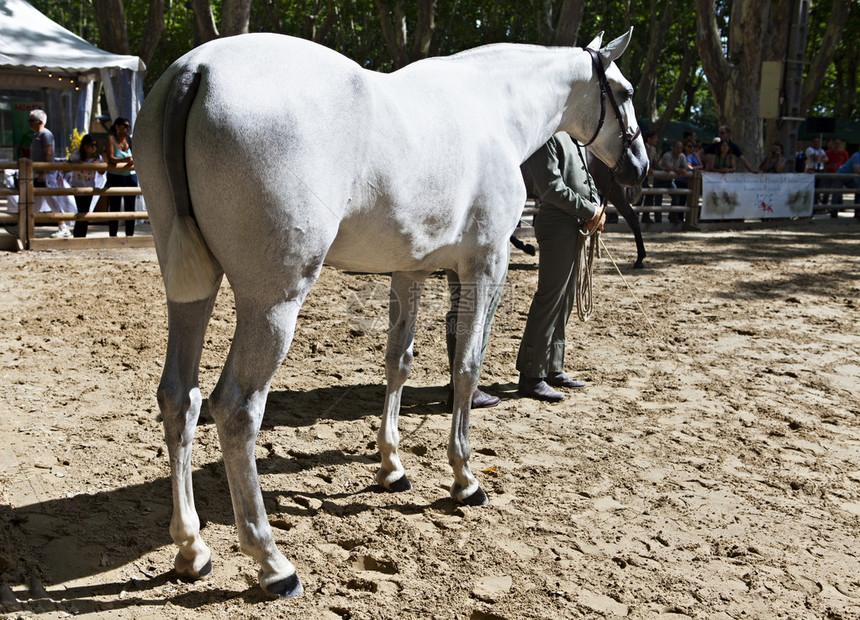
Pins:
x: 110, y: 19
x: 832, y: 35
x: 152, y: 31
x: 235, y: 15
x: 204, y: 20
x: 684, y: 77
x: 569, y: 20
x: 645, y: 97
x: 564, y: 30
x: 393, y: 22
x: 735, y: 81
x: 392, y: 18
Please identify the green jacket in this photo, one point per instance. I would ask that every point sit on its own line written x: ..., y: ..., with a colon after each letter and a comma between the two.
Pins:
x: 560, y: 177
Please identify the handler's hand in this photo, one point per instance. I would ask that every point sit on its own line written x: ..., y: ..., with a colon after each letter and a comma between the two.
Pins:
x: 596, y: 222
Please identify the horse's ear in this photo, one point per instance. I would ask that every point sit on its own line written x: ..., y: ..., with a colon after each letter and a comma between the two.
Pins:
x: 614, y: 49
x: 595, y: 44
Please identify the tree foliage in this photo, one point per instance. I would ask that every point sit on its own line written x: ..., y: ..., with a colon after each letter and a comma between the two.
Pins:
x: 678, y: 75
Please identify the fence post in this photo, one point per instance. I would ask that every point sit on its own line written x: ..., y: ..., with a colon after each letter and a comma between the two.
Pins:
x: 691, y: 218
x: 26, y: 225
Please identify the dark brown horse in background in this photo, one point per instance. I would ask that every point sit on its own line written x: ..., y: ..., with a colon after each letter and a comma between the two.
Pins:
x: 622, y: 198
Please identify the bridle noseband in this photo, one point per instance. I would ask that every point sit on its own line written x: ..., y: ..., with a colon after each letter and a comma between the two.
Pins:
x: 629, y: 137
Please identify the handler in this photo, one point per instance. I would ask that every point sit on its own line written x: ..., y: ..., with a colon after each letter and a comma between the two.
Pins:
x: 568, y: 201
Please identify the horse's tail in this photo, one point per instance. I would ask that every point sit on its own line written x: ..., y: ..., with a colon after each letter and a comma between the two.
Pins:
x: 191, y: 272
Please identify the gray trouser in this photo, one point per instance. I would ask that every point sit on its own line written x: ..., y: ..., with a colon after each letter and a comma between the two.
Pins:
x: 542, y: 347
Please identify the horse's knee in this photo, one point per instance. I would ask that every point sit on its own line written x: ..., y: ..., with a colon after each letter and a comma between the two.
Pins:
x: 398, y: 365
x: 237, y: 419
x: 179, y: 409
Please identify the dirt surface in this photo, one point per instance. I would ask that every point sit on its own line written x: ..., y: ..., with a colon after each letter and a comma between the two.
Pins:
x: 711, y: 468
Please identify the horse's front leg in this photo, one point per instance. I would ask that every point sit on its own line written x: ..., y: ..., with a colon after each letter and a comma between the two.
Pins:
x: 479, y: 296
x: 403, y: 303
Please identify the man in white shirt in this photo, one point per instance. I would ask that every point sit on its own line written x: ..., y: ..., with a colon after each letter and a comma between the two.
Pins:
x: 816, y: 157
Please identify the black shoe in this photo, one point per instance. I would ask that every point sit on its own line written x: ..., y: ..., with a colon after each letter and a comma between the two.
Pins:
x: 559, y: 379
x: 537, y: 388
x: 480, y: 399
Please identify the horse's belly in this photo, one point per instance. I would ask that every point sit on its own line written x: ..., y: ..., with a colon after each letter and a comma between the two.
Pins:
x: 380, y: 247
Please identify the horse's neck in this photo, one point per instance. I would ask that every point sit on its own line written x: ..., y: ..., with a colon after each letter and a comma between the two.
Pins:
x: 532, y: 87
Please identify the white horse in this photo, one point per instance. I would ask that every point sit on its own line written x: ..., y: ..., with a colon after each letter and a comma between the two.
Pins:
x: 262, y: 157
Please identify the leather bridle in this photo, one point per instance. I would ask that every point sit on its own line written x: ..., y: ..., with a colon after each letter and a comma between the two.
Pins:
x: 629, y: 136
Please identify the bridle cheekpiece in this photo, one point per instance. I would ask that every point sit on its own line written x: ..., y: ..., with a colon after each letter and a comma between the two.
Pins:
x: 629, y: 136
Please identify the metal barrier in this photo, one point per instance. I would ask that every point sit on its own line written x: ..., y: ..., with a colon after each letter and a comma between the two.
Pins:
x: 26, y: 219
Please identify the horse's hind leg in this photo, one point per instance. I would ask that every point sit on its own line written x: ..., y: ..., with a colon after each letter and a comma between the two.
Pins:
x: 402, y: 309
x: 264, y: 331
x: 179, y: 400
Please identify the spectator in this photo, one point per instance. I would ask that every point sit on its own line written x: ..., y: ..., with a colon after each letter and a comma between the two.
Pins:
x: 88, y: 154
x: 651, y: 200
x: 568, y: 202
x: 775, y: 162
x: 852, y: 166
x: 722, y: 160
x: 800, y: 158
x: 816, y: 158
x: 691, y: 152
x: 675, y: 161
x: 119, y: 151
x: 836, y: 157
x: 42, y: 150
x: 726, y: 134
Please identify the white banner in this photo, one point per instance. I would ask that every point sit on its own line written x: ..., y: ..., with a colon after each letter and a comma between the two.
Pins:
x: 748, y: 196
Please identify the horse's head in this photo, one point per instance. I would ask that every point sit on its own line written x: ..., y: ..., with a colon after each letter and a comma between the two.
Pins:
x: 602, y: 115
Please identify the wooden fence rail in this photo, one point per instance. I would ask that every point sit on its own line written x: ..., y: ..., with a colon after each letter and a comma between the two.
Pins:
x: 25, y: 219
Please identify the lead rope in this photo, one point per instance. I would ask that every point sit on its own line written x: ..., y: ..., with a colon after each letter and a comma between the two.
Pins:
x: 587, y: 245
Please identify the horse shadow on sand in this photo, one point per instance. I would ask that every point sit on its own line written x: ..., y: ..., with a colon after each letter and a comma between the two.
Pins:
x: 63, y: 540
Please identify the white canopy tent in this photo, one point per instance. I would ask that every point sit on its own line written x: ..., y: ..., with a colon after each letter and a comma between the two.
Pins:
x: 39, y: 54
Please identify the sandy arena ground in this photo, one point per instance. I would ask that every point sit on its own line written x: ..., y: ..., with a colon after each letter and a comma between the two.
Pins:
x: 711, y: 468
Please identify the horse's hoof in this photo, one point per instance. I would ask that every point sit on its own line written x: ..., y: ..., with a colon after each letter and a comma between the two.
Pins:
x: 206, y: 571
x: 400, y: 485
x: 185, y: 569
x: 638, y: 265
x: 478, y: 498
x: 285, y: 588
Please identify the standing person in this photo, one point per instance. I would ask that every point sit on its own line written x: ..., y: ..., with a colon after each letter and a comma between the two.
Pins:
x: 568, y: 203
x: 852, y: 166
x: 836, y: 157
x: 726, y: 134
x: 42, y: 150
x: 119, y: 151
x: 816, y: 159
x: 723, y: 160
x: 676, y: 162
x: 691, y: 152
x: 651, y: 200
x: 800, y: 158
x: 775, y: 162
x: 87, y: 154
